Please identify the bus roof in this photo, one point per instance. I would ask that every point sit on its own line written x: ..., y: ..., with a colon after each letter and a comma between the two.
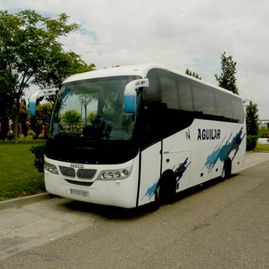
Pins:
x: 135, y: 70
x: 131, y: 70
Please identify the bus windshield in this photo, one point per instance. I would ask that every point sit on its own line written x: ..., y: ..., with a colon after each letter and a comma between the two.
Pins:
x: 93, y: 109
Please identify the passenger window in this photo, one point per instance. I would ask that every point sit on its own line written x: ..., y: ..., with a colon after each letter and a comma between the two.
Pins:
x: 153, y: 92
x: 204, y: 101
x: 238, y: 111
x: 224, y: 106
x: 169, y: 94
x: 185, y: 96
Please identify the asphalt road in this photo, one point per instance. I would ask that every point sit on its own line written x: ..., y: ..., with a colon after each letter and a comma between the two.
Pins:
x: 224, y: 225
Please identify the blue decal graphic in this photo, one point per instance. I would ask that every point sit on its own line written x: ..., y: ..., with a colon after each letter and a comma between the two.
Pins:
x: 151, y: 190
x: 222, y: 152
x: 182, y: 167
x: 179, y: 171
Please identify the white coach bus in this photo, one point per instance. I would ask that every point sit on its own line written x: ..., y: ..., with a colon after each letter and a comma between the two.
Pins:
x: 129, y: 136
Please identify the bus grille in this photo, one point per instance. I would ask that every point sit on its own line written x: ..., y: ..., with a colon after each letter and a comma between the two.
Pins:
x: 86, y: 173
x: 68, y: 171
x: 81, y: 173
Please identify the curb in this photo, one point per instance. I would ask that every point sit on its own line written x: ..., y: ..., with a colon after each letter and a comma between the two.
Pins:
x: 19, y: 202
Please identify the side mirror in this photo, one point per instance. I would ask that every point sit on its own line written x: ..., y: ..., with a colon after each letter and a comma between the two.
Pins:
x: 130, y: 94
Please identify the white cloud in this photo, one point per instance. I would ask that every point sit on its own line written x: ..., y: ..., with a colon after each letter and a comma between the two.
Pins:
x: 181, y: 34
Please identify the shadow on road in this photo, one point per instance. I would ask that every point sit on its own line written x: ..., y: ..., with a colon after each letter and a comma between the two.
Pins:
x: 110, y: 212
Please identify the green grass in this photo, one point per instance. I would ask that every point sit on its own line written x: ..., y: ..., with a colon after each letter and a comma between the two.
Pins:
x: 262, y: 147
x: 18, y: 175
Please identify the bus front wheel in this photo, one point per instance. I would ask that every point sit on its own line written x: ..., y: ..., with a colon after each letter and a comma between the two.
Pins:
x: 157, y: 200
x: 168, y: 187
x: 165, y: 191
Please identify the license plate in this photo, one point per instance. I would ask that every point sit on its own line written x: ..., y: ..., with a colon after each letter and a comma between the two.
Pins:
x: 79, y: 192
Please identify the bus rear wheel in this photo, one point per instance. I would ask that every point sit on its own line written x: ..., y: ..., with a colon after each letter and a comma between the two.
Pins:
x: 227, y: 170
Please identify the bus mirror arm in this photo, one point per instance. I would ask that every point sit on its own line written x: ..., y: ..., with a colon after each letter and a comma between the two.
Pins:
x: 130, y: 94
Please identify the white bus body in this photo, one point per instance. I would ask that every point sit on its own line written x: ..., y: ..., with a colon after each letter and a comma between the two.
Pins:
x: 177, y: 133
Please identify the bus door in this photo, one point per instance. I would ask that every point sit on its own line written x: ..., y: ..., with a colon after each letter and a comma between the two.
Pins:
x: 150, y: 168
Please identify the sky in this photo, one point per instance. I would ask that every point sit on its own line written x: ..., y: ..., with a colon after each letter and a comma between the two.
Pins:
x: 179, y: 34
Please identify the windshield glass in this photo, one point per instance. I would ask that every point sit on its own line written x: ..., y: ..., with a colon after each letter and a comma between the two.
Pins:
x: 94, y: 109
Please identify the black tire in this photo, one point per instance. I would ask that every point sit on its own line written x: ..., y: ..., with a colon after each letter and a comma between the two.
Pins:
x: 155, y: 205
x: 227, y: 170
x: 165, y: 191
x: 157, y: 198
x: 168, y: 187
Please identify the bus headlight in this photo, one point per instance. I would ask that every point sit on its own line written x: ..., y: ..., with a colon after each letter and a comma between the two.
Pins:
x: 116, y: 174
x: 51, y: 168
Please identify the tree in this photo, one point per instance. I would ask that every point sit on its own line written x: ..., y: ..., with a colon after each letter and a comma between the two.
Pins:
x: 227, y: 79
x: 60, y: 65
x: 252, y: 119
x: 72, y: 118
x: 193, y: 74
x: 252, y: 122
x: 27, y: 40
x: 6, y: 102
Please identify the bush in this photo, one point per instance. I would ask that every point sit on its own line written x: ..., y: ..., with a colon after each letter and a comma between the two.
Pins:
x: 263, y: 132
x: 251, y: 142
x: 39, y: 151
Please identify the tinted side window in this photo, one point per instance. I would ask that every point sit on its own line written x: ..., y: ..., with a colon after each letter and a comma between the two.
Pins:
x: 154, y: 90
x: 224, y: 106
x: 185, y: 96
x: 238, y: 111
x: 169, y: 93
x: 204, y: 100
